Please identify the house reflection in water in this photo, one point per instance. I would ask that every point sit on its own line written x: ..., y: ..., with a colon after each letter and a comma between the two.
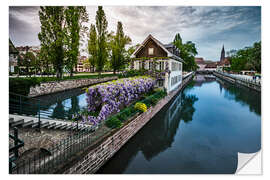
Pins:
x: 201, y: 79
x: 156, y: 136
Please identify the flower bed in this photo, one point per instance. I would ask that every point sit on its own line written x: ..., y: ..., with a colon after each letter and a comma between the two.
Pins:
x: 108, y: 98
x: 141, y: 106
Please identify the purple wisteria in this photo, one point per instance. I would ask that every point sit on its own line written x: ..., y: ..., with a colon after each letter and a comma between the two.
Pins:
x: 107, y: 98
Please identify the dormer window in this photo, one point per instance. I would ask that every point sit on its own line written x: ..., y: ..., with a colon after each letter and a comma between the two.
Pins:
x: 150, y: 51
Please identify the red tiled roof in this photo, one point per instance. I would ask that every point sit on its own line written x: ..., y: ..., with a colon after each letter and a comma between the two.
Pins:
x: 211, y: 65
x: 199, y: 61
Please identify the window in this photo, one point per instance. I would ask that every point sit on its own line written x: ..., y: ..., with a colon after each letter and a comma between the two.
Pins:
x: 161, y: 65
x: 150, y: 65
x: 140, y: 65
x: 160, y: 82
x: 150, y: 51
x: 175, y: 79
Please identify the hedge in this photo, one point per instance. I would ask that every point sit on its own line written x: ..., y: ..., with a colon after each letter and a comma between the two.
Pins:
x: 21, y: 85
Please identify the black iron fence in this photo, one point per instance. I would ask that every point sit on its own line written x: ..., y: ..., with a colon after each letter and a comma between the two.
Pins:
x: 23, y: 105
x: 14, y: 150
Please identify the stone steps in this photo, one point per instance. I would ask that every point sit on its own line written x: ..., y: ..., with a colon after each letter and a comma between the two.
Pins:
x: 32, y: 122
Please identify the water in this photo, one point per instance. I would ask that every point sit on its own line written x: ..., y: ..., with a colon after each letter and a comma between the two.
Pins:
x: 200, y: 131
x: 62, y: 105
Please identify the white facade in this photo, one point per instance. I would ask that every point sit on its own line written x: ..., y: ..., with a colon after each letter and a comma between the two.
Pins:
x: 175, y: 77
x: 165, y: 57
x: 172, y: 79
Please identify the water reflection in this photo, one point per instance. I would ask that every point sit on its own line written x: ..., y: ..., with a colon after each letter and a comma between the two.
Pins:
x: 200, y: 131
x: 62, y: 105
x: 157, y: 135
x: 242, y: 96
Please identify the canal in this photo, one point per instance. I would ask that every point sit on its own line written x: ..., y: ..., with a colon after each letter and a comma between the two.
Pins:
x: 200, y: 131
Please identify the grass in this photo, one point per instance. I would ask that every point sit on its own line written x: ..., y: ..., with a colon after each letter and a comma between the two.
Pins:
x: 77, y: 76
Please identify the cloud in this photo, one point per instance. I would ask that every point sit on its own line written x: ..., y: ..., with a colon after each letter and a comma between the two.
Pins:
x: 209, y: 27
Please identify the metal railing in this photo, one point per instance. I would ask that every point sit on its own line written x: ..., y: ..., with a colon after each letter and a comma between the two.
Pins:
x: 14, y: 150
x: 64, y: 151
x: 247, y: 80
x: 23, y: 105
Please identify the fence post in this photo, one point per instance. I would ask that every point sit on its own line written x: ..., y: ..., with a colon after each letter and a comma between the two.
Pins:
x: 10, y: 167
x: 20, y: 104
x: 39, y: 115
x: 16, y: 142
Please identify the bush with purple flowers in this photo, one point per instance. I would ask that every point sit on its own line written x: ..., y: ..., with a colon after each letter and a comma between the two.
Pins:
x: 108, y: 98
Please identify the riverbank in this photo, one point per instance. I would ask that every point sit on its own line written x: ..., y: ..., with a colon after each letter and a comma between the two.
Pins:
x: 200, y: 131
x: 90, y: 161
x: 235, y: 80
x: 23, y: 85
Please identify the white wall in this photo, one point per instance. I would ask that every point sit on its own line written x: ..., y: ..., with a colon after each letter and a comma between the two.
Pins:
x: 168, y: 80
x: 174, y: 74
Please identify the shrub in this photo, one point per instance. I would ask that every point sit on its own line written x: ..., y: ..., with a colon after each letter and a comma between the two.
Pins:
x: 107, y: 98
x: 132, y: 73
x: 113, y: 122
x: 122, y: 116
x: 154, y: 100
x: 140, y: 106
x: 22, y: 85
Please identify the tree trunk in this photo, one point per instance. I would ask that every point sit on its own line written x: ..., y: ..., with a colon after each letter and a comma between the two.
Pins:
x: 71, y: 73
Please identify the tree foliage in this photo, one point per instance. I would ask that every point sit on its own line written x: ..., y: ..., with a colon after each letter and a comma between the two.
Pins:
x: 92, y: 46
x: 61, y: 29
x: 248, y: 58
x: 28, y: 61
x: 188, y: 52
x: 75, y: 16
x: 52, y: 34
x: 118, y: 51
x: 102, y: 51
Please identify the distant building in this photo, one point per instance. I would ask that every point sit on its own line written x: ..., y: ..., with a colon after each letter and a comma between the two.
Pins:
x: 13, y: 57
x: 80, y: 65
x: 224, y: 61
x: 208, y: 65
x: 24, y: 49
x: 211, y: 66
x: 200, y: 62
x: 153, y: 55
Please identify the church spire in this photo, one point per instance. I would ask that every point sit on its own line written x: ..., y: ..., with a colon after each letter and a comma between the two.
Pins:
x: 222, y: 57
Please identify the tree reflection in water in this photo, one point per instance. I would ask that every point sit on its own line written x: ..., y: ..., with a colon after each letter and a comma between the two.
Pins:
x: 60, y: 111
x: 242, y: 95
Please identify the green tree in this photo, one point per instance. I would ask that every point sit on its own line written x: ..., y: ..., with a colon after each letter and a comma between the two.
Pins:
x: 44, y: 60
x: 102, y: 51
x: 118, y: 43
x: 52, y: 35
x: 92, y: 47
x: 75, y: 16
x: 188, y: 52
x: 86, y: 64
x: 255, y: 57
x: 248, y: 58
x: 28, y: 62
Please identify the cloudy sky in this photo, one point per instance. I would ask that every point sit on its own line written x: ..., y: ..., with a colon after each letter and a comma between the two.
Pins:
x: 208, y: 27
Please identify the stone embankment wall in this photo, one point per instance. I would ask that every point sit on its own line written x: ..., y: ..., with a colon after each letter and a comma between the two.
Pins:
x: 98, y: 156
x: 57, y: 86
x: 256, y: 87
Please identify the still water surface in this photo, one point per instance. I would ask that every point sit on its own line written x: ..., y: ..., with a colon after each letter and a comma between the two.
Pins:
x: 199, y: 131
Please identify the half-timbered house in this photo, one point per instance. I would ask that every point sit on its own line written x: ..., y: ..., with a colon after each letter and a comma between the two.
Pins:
x: 152, y: 55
